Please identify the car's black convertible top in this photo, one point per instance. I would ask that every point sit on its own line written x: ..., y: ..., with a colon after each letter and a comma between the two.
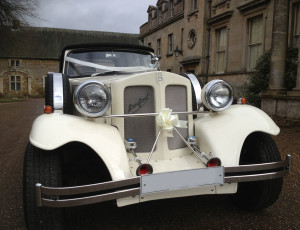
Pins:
x: 102, y: 45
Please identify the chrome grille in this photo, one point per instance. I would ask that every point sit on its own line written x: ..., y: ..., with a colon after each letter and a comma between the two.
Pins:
x: 176, y: 99
x: 140, y: 99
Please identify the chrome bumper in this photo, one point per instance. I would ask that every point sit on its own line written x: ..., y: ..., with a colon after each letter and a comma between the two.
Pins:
x: 56, y: 197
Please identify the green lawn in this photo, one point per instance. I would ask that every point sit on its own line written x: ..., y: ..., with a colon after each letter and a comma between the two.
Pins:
x: 9, y: 100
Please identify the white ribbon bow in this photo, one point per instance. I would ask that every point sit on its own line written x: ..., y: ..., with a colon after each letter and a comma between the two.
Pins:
x: 166, y: 120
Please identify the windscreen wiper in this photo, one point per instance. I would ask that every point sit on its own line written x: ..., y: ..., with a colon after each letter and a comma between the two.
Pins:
x: 105, y: 73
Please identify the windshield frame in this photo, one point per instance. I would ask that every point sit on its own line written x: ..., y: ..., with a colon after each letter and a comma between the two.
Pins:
x: 140, y: 50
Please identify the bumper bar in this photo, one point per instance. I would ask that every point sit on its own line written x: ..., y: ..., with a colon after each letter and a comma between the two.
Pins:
x: 54, y: 197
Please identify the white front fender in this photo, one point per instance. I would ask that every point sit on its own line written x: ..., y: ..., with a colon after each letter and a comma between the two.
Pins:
x: 50, y: 131
x: 223, y: 133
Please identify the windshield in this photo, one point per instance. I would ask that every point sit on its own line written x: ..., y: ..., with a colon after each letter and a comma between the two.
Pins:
x: 83, y: 63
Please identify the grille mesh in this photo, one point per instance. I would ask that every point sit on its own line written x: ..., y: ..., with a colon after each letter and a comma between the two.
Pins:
x: 140, y: 99
x: 176, y: 99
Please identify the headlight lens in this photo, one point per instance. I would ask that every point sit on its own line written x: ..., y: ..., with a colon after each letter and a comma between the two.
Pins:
x: 92, y: 98
x: 217, y: 95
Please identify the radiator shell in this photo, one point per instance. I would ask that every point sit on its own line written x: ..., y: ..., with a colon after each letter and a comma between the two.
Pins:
x: 162, y: 93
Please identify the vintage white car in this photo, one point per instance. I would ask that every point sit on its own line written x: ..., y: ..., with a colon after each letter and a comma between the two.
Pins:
x: 117, y: 128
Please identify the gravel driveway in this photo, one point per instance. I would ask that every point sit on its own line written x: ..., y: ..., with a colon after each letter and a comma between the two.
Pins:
x: 204, y: 212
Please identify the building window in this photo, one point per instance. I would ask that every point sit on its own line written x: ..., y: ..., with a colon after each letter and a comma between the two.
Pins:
x: 192, y: 38
x: 170, y: 43
x: 14, y: 63
x: 150, y: 21
x: 194, y: 4
x: 165, y: 7
x: 221, y: 50
x: 154, y: 13
x: 255, y: 40
x: 158, y: 51
x: 15, y: 83
x: 181, y: 39
x: 149, y: 44
x: 169, y: 70
x: 171, y: 8
x: 159, y: 16
x: 296, y: 24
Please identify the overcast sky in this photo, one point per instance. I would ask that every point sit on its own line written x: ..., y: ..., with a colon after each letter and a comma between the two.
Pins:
x: 125, y: 16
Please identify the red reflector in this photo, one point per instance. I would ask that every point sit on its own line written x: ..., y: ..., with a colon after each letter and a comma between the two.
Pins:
x: 48, y: 109
x: 214, y: 162
x: 244, y: 100
x: 144, y: 169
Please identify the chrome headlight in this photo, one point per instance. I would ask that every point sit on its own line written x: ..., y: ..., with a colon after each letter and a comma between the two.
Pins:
x: 217, y: 95
x: 92, y: 98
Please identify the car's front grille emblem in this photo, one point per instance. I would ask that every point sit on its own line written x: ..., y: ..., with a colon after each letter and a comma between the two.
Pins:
x: 132, y: 108
x: 160, y: 78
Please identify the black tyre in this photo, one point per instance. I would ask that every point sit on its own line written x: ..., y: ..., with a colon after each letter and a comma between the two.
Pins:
x: 258, y: 148
x: 41, y: 167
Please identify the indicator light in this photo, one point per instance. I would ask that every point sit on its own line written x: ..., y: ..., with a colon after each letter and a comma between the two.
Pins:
x: 48, y: 109
x: 244, y: 100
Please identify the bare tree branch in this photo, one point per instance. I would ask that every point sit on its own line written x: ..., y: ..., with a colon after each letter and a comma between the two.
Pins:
x: 16, y: 13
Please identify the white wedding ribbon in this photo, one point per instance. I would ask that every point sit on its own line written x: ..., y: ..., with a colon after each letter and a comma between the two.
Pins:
x: 108, y: 68
x: 166, y: 120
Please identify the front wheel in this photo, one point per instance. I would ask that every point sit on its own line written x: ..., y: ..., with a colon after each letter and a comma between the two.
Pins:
x: 258, y: 148
x: 43, y: 167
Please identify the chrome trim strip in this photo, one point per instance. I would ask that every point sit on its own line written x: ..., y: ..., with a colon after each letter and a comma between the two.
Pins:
x: 38, y: 194
x: 255, y: 177
x: 90, y: 199
x: 89, y: 188
x: 282, y: 166
x: 148, y: 114
x: 257, y: 167
x: 289, y: 159
x: 58, y: 95
x: 197, y: 88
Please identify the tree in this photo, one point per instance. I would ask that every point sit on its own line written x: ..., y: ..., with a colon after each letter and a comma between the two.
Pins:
x: 258, y: 80
x: 15, y: 13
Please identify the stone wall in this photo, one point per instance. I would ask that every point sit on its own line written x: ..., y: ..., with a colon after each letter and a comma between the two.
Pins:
x: 282, y: 103
x: 31, y: 72
x: 249, y: 32
x: 184, y: 20
x: 234, y: 15
x: 37, y: 51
